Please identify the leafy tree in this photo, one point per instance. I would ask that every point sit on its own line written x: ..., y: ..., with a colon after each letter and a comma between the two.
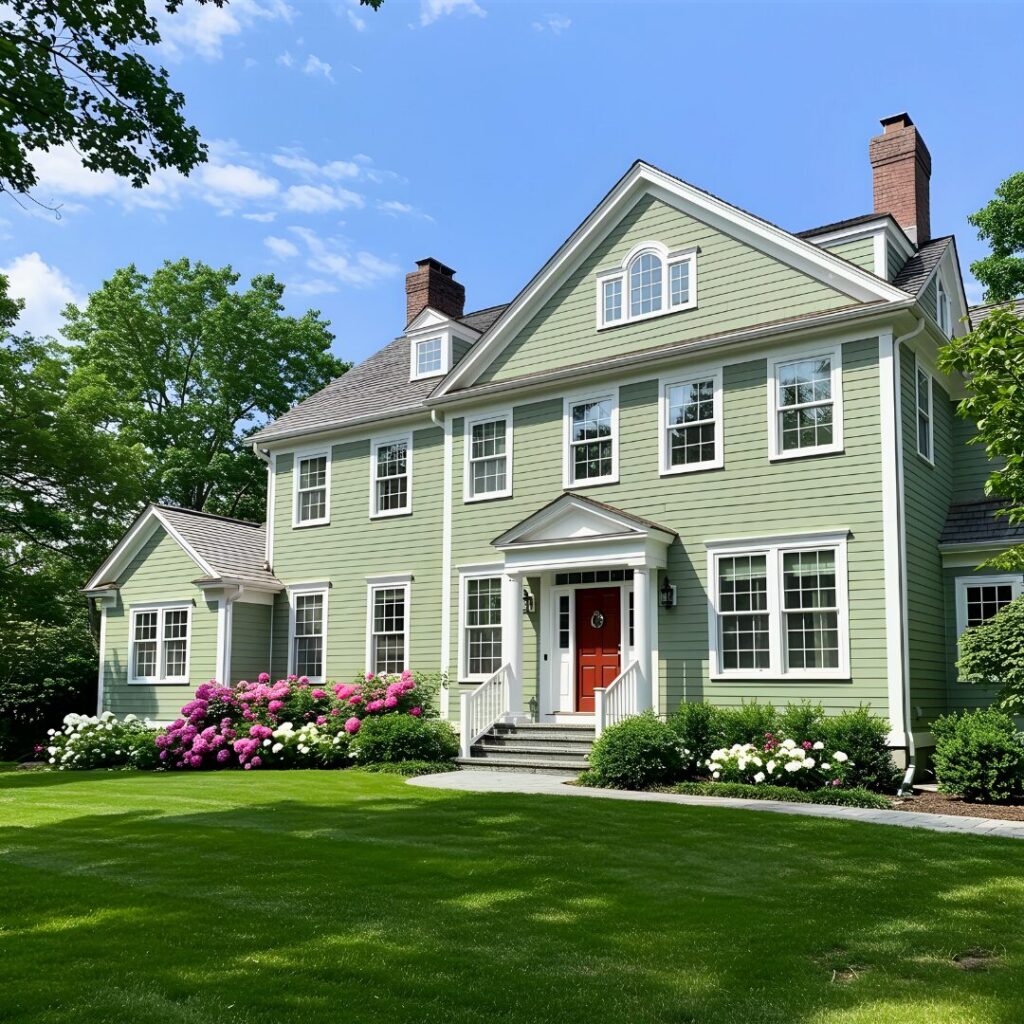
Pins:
x: 191, y: 366
x: 1001, y: 224
x: 993, y: 654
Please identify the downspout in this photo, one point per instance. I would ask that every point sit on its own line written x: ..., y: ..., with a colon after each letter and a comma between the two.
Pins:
x: 439, y: 420
x: 908, y: 776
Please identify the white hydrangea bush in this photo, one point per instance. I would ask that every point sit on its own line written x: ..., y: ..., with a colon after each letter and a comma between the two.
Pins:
x: 101, y: 741
x: 806, y: 765
x: 308, y: 746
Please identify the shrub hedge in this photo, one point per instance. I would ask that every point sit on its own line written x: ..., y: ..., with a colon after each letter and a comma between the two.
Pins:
x: 856, y: 797
x: 979, y: 755
x: 638, y: 753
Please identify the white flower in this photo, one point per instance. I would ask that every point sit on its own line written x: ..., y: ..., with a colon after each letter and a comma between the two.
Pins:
x: 825, y: 765
x: 770, y: 766
x: 793, y: 766
x: 266, y: 743
x: 53, y: 760
x: 840, y: 756
x: 808, y: 762
x: 789, y: 744
x: 759, y: 777
x: 714, y: 766
x: 715, y: 775
x: 818, y: 746
x: 277, y: 748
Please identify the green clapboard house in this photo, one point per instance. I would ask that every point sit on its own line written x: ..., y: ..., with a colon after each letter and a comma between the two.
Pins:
x: 697, y: 457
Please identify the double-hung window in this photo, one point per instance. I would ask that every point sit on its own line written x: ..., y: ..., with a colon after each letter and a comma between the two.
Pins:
x: 649, y: 281
x: 309, y: 631
x: 978, y: 598
x: 691, y: 423
x: 779, y: 608
x: 391, y: 477
x: 159, y: 644
x: 489, y: 457
x: 388, y: 628
x: 312, y: 488
x: 481, y: 618
x: 925, y: 439
x: 805, y: 404
x: 591, y: 440
x: 429, y: 357
x: 943, y: 311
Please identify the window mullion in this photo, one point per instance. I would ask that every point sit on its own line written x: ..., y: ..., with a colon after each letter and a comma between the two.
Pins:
x: 776, y: 616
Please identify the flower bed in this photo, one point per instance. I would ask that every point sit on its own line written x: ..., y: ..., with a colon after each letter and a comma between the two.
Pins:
x: 805, y: 765
x: 290, y: 723
x: 856, y: 797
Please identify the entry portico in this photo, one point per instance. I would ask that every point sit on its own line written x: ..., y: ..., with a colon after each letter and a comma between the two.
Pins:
x: 597, y: 568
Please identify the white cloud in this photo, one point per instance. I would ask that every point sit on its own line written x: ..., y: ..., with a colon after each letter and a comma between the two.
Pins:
x: 398, y: 209
x: 232, y: 182
x: 297, y: 161
x: 320, y: 198
x: 556, y: 24
x: 315, y: 66
x: 286, y: 60
x: 331, y: 260
x: 354, y: 18
x: 281, y: 247
x: 261, y: 218
x: 45, y: 289
x: 431, y: 10
x: 203, y: 29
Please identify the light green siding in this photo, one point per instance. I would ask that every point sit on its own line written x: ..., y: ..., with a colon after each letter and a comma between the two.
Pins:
x: 972, y: 466
x: 250, y: 640
x: 160, y: 571
x: 750, y: 496
x: 738, y: 287
x: 960, y: 696
x: 860, y: 251
x: 927, y: 494
x: 352, y: 547
x: 894, y: 259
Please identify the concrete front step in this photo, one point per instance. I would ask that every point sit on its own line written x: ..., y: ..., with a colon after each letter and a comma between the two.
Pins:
x: 563, y: 749
x: 538, y: 767
x: 574, y: 762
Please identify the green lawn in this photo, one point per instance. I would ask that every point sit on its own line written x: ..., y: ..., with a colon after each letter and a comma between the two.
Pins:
x: 314, y: 896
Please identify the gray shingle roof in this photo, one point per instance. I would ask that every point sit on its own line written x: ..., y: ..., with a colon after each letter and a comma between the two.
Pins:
x: 978, y: 313
x: 232, y: 547
x: 375, y: 388
x: 976, y: 522
x: 916, y: 271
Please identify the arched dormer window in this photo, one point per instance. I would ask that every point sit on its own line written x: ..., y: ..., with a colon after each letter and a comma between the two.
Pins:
x: 650, y: 281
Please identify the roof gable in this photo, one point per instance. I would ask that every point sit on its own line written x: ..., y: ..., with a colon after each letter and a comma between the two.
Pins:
x: 849, y: 283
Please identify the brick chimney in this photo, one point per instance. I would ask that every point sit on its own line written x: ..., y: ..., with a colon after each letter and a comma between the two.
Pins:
x: 433, y: 284
x: 902, y: 169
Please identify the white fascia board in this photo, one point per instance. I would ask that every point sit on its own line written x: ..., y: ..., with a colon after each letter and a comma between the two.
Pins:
x: 642, y: 178
x: 353, y: 429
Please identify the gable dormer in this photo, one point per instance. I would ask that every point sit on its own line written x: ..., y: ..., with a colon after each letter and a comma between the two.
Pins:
x: 436, y: 344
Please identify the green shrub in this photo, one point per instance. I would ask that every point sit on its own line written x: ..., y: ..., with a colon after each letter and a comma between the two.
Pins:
x: 698, y: 728
x: 979, y: 755
x: 856, y: 797
x: 393, y: 738
x: 801, y: 721
x: 993, y: 653
x: 638, y: 753
x: 410, y: 769
x: 785, y: 794
x: 864, y: 738
x: 748, y: 723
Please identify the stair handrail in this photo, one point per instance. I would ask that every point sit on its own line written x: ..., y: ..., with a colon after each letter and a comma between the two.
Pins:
x: 619, y: 700
x: 481, y: 708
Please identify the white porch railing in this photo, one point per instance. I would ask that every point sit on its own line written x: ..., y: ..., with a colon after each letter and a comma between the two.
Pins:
x: 481, y: 708
x: 619, y: 699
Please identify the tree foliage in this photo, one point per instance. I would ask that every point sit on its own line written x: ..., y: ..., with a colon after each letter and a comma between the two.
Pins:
x: 190, y: 366
x: 993, y: 654
x: 1001, y: 224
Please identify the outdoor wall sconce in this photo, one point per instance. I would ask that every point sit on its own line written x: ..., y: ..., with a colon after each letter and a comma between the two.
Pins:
x: 527, y: 600
x: 667, y: 593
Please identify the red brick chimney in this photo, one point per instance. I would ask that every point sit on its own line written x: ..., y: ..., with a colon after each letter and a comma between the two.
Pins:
x: 902, y: 169
x: 433, y: 284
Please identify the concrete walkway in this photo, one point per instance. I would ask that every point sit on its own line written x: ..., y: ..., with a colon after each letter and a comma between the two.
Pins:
x: 555, y: 785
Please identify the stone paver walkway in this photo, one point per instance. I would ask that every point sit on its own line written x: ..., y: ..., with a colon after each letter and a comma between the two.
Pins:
x: 555, y: 785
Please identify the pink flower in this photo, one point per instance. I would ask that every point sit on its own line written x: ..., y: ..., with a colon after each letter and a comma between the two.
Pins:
x: 319, y: 694
x: 352, y: 725
x: 391, y: 702
x: 264, y: 677
x: 321, y: 719
x: 374, y: 705
x: 807, y: 744
x: 254, y: 763
x: 303, y: 680
x: 415, y: 712
x: 335, y: 712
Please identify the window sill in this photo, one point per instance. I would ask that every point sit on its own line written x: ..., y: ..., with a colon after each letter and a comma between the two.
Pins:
x: 311, y: 522
x: 699, y: 467
x: 831, y: 676
x: 926, y: 460
x: 472, y: 499
x: 804, y: 453
x: 577, y: 485
x: 396, y: 514
x: 158, y: 682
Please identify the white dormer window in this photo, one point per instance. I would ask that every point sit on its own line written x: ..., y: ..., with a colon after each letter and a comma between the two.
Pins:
x: 943, y: 312
x: 650, y: 281
x: 429, y: 357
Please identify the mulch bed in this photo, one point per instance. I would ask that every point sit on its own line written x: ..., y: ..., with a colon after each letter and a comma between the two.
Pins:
x: 925, y: 802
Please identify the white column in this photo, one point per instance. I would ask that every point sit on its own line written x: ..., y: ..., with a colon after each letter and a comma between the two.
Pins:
x: 512, y: 640
x: 642, y: 611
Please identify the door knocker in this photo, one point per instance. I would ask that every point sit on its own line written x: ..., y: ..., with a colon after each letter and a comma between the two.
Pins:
x: 597, y: 619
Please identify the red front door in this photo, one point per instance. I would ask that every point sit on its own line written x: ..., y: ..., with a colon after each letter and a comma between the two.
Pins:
x: 598, y: 634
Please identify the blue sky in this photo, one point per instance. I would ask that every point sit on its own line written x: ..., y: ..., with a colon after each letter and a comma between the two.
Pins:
x: 346, y: 144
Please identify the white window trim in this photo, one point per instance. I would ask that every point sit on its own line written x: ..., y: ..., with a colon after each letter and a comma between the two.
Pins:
x: 322, y: 588
x: 921, y: 368
x: 467, y: 444
x: 478, y: 572
x: 160, y: 607
x: 773, y: 549
x: 378, y: 442
x: 621, y: 272
x: 1016, y: 581
x: 297, y: 457
x: 567, y: 462
x: 401, y: 582
x: 690, y: 377
x: 943, y: 304
x: 834, y: 351
x: 445, y: 337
